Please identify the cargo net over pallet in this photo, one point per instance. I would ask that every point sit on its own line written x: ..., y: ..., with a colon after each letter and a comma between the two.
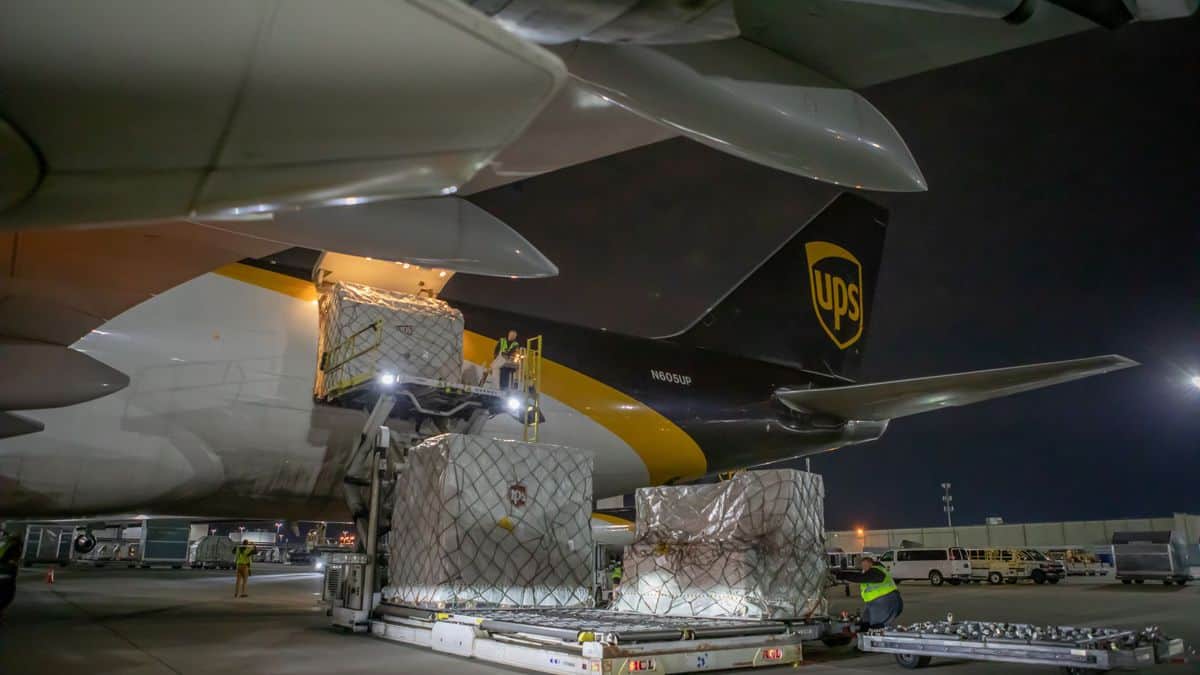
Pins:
x: 752, y: 546
x: 368, y: 332
x: 482, y: 522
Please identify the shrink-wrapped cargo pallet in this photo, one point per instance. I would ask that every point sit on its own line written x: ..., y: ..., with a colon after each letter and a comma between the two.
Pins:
x: 482, y: 522
x: 365, y: 332
x: 751, y: 546
x: 214, y: 550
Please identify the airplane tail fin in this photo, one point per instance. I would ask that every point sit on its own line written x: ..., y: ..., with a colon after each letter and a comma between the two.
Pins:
x: 825, y: 275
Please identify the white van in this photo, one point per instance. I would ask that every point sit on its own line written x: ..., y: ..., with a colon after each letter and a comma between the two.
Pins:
x: 938, y: 565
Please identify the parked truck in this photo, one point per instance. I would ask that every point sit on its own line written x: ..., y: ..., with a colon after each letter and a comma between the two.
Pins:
x: 1151, y: 556
x: 1010, y: 565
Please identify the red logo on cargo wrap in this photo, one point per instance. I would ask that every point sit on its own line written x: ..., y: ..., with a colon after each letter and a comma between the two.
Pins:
x: 407, y: 330
x: 517, y: 494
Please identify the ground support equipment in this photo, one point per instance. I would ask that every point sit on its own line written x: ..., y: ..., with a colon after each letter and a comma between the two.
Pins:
x: 562, y: 640
x: 1073, y: 649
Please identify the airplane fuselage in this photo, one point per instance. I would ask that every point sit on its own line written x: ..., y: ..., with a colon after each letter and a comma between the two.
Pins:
x: 219, y: 418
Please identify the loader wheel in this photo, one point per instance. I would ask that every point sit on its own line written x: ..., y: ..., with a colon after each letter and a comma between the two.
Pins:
x: 1038, y: 576
x: 1181, y: 582
x: 1127, y: 581
x: 935, y: 578
x: 995, y: 578
x: 911, y: 661
x: 1139, y: 581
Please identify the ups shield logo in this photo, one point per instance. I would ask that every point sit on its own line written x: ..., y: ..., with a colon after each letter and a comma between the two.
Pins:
x: 835, y: 280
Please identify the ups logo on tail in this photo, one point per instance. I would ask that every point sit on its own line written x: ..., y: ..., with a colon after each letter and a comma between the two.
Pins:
x: 835, y: 279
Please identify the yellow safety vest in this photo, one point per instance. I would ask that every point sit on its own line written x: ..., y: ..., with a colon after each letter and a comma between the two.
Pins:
x: 505, y: 345
x: 244, y: 555
x: 875, y: 591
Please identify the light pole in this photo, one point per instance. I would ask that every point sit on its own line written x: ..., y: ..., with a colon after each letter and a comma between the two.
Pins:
x: 948, y: 507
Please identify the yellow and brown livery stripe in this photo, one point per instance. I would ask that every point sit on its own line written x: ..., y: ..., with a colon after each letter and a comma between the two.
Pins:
x: 613, y: 520
x: 666, y: 450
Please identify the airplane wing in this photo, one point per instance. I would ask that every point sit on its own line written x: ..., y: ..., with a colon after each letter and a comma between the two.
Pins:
x: 900, y: 398
x: 862, y: 44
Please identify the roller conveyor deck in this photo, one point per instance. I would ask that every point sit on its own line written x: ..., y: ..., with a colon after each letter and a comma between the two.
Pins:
x: 556, y: 640
x: 1073, y: 649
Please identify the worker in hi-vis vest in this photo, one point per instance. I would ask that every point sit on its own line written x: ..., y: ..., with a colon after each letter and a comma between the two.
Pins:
x: 878, y: 591
x: 505, y: 355
x: 242, y: 556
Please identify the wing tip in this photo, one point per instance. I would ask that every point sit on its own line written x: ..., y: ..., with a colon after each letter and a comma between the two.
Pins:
x: 1121, y: 362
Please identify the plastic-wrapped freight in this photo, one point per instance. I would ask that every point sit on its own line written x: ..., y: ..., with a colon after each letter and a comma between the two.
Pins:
x: 214, y: 551
x: 751, y: 546
x: 482, y: 522
x: 367, y: 331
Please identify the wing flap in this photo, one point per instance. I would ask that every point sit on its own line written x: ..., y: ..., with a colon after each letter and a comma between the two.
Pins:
x: 900, y: 398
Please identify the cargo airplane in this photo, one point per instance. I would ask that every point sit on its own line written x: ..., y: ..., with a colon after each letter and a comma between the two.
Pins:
x: 174, y: 137
x: 212, y: 413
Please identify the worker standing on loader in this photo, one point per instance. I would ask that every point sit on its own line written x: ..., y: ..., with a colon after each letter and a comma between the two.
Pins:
x: 878, y: 590
x: 10, y: 558
x: 615, y: 575
x: 507, y: 348
x: 242, y: 557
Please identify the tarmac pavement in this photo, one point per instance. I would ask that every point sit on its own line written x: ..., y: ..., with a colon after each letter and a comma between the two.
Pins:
x: 144, y: 622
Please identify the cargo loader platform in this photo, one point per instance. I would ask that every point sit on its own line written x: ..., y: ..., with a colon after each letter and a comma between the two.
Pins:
x: 427, y: 396
x: 1074, y: 650
x: 561, y: 640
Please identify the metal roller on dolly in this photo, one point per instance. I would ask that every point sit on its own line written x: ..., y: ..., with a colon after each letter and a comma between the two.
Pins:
x: 1074, y: 649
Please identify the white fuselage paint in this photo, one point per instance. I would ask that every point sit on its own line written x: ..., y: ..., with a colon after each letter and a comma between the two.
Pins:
x: 219, y: 418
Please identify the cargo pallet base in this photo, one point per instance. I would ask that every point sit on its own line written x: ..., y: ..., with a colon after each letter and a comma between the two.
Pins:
x: 600, y: 641
x: 915, y: 650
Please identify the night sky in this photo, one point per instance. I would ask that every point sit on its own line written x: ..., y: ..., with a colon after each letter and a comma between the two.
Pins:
x: 1063, y: 220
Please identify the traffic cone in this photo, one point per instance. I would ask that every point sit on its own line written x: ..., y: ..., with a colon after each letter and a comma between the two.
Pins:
x: 50, y: 576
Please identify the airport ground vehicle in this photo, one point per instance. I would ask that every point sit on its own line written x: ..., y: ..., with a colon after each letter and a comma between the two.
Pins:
x: 1055, y: 569
x: 1010, y: 565
x: 1154, y: 556
x: 938, y: 565
x: 1077, y: 561
x: 1074, y: 650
